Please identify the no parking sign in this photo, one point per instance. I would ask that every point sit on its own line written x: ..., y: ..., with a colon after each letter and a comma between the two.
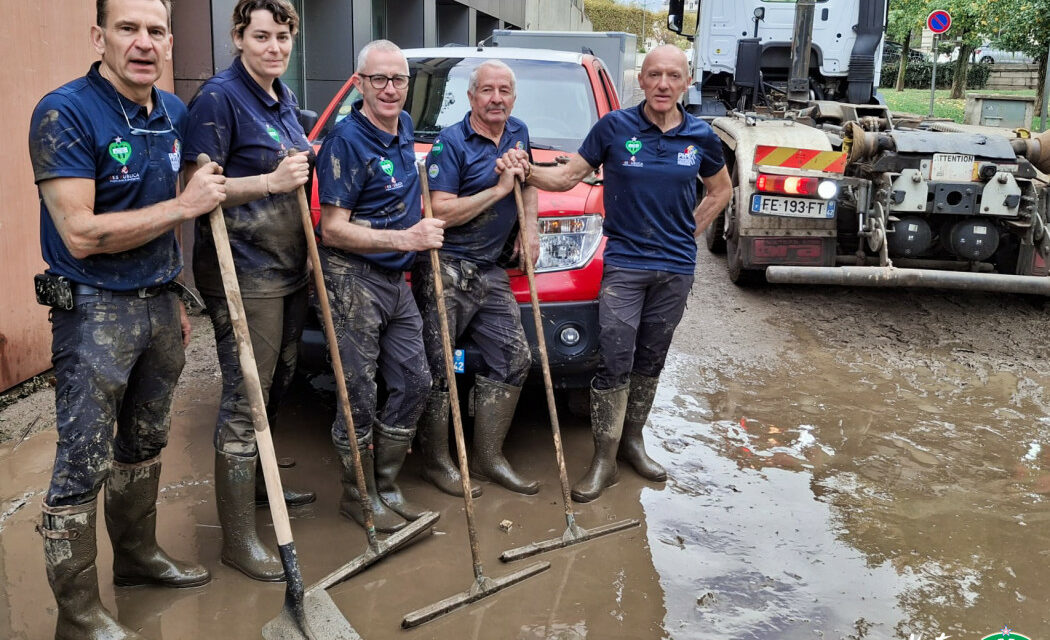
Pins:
x: 939, y: 21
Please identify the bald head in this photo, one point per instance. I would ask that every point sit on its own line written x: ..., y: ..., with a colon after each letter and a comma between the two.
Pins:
x: 666, y: 55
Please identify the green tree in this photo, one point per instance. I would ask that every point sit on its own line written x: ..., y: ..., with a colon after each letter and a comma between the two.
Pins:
x: 1022, y: 25
x: 906, y: 17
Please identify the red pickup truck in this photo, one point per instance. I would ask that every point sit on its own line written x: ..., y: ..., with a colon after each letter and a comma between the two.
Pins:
x: 559, y: 96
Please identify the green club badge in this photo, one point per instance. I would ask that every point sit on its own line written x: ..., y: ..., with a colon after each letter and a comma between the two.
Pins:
x: 438, y: 147
x: 387, y: 167
x: 120, y: 150
x: 634, y: 145
x: 273, y: 133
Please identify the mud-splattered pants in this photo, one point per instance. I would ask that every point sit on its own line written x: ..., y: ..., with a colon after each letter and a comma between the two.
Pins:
x: 275, y: 325
x: 479, y: 303
x: 117, y: 359
x: 638, y: 312
x: 378, y: 329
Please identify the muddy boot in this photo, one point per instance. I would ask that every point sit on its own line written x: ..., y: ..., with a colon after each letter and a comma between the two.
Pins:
x: 69, y: 555
x: 607, y: 412
x: 632, y: 445
x: 385, y: 520
x: 494, y: 404
x: 390, y: 448
x: 438, y: 468
x: 292, y: 497
x: 131, y: 518
x: 235, y: 498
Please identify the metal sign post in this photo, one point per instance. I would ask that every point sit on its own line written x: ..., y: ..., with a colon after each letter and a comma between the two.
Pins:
x: 938, y: 22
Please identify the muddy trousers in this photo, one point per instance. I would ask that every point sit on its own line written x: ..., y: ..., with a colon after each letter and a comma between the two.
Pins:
x: 275, y: 326
x: 638, y: 312
x: 479, y: 304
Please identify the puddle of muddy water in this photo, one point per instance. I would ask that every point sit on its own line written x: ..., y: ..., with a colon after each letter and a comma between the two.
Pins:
x: 824, y: 497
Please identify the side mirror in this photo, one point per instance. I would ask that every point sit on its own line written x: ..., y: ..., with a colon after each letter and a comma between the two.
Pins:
x: 308, y: 120
x: 675, y: 12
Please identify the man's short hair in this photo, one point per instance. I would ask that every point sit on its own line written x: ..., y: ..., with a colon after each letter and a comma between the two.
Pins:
x: 282, y: 10
x: 472, y: 84
x: 375, y: 45
x: 102, y: 11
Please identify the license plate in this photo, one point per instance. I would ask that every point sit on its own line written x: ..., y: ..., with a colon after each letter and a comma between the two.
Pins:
x: 951, y: 167
x: 763, y: 205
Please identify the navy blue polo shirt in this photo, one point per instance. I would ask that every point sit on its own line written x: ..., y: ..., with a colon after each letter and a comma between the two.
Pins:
x: 240, y: 126
x: 372, y: 174
x: 650, y: 186
x: 463, y: 162
x: 79, y: 131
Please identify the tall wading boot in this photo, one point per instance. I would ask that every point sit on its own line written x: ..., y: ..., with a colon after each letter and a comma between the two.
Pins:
x: 292, y: 497
x: 385, y: 520
x: 494, y: 404
x: 608, y: 407
x: 235, y: 498
x: 438, y: 468
x: 390, y: 448
x: 131, y: 518
x: 69, y: 555
x: 632, y: 445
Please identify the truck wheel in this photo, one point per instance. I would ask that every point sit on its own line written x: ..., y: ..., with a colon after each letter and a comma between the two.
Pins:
x: 738, y: 275
x: 715, y: 235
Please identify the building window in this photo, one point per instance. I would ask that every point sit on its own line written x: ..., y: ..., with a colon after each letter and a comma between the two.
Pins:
x: 296, y: 72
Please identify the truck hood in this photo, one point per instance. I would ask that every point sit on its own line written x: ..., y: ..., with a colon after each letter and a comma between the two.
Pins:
x: 583, y: 198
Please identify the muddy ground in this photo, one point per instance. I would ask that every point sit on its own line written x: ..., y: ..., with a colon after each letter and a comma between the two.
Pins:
x: 844, y: 463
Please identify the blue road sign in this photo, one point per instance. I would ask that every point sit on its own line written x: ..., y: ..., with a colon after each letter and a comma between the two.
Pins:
x: 939, y: 21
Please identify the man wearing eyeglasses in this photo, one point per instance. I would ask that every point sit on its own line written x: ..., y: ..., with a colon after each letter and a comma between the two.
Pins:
x: 370, y: 231
x: 479, y: 211
x: 106, y: 153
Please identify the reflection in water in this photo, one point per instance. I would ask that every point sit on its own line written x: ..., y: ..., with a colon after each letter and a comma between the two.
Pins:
x: 841, y: 498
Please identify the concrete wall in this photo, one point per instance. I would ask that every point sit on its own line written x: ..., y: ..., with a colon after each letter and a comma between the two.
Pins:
x: 52, y: 47
x: 556, y: 15
x: 1013, y: 76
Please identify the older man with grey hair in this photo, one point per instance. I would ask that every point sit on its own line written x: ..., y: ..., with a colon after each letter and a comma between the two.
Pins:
x: 477, y: 206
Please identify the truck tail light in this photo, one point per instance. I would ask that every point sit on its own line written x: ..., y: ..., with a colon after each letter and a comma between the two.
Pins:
x: 568, y: 242
x: 795, y: 186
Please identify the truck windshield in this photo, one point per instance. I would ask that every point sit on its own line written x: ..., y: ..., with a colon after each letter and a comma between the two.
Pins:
x: 554, y: 99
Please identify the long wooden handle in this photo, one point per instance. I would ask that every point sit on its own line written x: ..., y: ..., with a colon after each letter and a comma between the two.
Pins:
x: 530, y: 274
x: 450, y: 374
x: 337, y: 362
x: 249, y: 371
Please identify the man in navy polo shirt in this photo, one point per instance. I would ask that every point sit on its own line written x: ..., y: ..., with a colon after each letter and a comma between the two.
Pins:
x: 370, y: 229
x: 478, y: 208
x: 651, y: 155
x: 106, y: 152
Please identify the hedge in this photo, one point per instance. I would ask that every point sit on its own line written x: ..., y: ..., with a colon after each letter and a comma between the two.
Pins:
x: 917, y: 75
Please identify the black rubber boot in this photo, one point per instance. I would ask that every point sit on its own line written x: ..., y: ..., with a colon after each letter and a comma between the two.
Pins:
x: 494, y: 404
x: 131, y: 518
x: 608, y: 407
x: 69, y: 555
x: 632, y: 444
x: 390, y: 448
x: 235, y: 498
x: 438, y: 468
x: 292, y: 497
x: 385, y: 520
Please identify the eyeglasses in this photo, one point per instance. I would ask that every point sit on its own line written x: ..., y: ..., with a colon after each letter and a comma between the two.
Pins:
x: 378, y: 80
x: 143, y: 132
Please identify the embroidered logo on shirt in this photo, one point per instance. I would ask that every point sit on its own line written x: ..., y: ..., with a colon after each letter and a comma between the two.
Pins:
x: 120, y: 150
x: 438, y: 147
x: 433, y: 171
x: 519, y: 145
x: 273, y: 133
x: 634, y: 145
x: 688, y: 158
x: 175, y: 157
x: 125, y: 176
x: 388, y: 168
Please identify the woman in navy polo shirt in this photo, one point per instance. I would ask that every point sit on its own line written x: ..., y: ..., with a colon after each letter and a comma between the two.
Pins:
x: 246, y: 119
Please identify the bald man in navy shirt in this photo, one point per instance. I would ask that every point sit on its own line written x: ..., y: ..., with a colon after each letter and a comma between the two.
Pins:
x: 651, y: 156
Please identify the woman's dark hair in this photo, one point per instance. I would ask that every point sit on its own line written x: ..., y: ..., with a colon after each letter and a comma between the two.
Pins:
x: 282, y: 10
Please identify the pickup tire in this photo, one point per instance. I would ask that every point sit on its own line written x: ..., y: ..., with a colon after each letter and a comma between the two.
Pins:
x: 715, y: 235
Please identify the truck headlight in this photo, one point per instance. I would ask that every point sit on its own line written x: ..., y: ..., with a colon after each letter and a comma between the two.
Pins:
x: 568, y: 242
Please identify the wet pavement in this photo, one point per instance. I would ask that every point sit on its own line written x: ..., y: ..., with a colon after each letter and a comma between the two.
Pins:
x: 842, y: 465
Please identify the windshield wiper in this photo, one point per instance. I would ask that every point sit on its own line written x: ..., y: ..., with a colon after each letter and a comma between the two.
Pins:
x: 427, y: 135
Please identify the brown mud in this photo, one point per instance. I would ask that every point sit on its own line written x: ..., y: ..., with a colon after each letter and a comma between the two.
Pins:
x: 843, y: 463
